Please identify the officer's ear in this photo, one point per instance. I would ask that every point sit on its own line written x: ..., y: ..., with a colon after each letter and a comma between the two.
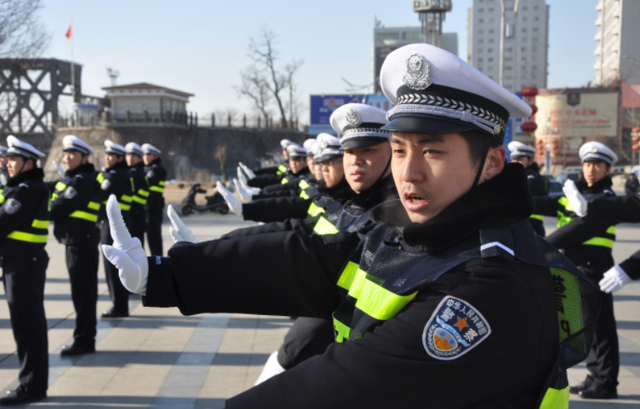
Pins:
x: 85, y: 159
x: 494, y: 163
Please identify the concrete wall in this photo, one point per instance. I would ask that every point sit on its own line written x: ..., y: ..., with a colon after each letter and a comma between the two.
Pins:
x: 184, y: 151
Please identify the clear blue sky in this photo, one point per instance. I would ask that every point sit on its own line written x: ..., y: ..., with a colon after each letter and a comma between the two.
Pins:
x: 200, y: 46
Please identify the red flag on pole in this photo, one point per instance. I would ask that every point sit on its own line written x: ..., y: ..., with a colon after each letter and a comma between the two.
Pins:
x: 69, y: 33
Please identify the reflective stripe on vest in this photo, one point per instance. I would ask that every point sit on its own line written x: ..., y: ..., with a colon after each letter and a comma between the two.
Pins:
x: 315, y: 210
x: 324, y: 227
x: 563, y: 220
x: 284, y: 181
x: 537, y: 217
x: 37, y: 235
x: 79, y: 214
x: 304, y: 185
x: 281, y: 170
x: 556, y: 399
x: 304, y: 195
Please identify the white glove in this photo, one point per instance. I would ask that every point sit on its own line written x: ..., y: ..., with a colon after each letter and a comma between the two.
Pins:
x: 248, y: 171
x: 614, y: 279
x: 178, y: 230
x: 126, y: 253
x: 576, y: 200
x: 59, y: 168
x: 241, y: 176
x: 253, y: 190
x: 271, y: 369
x: 234, y: 204
x: 245, y: 195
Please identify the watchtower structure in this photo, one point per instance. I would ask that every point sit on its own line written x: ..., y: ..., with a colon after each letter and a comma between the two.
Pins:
x: 432, y: 14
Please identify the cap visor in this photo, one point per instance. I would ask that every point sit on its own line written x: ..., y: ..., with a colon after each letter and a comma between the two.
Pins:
x: 425, y: 124
x: 361, y: 143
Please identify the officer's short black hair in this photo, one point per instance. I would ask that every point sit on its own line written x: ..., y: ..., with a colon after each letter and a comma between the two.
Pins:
x: 607, y: 164
x: 479, y: 144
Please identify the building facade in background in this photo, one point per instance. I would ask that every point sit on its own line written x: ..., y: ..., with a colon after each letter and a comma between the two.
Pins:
x: 385, y: 40
x: 618, y: 48
x: 524, y: 54
x: 154, y: 102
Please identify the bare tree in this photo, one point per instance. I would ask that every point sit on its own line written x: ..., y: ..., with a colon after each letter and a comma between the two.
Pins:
x: 221, y: 155
x: 264, y: 77
x: 21, y: 34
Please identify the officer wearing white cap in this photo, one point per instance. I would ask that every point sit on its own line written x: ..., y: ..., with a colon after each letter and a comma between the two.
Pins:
x: 4, y: 174
x: 115, y: 180
x: 449, y: 282
x: 24, y: 220
x: 295, y: 181
x: 310, y: 145
x: 593, y: 257
x: 75, y: 206
x: 538, y: 185
x: 156, y: 175
x: 140, y: 190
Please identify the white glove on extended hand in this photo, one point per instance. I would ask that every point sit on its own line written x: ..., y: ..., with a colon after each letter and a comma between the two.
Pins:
x: 126, y: 253
x: 234, y: 204
x: 59, y: 168
x: 253, y: 190
x: 178, y: 230
x: 614, y: 279
x: 248, y: 171
x: 241, y: 176
x: 576, y: 200
x: 245, y: 195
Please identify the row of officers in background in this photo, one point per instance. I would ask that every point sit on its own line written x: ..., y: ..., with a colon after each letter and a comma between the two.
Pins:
x: 75, y: 204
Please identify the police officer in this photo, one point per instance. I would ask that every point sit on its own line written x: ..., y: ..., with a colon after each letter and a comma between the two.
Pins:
x: 115, y: 180
x: 24, y: 219
x: 292, y: 183
x: 273, y: 175
x: 75, y: 205
x: 140, y: 190
x: 4, y: 173
x: 593, y: 257
x: 538, y: 185
x: 448, y: 301
x: 156, y: 176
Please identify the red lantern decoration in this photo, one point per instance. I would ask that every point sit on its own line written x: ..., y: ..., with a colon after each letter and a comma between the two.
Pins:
x: 529, y: 127
x: 529, y: 92
x: 636, y: 147
x: 635, y: 130
x: 636, y: 139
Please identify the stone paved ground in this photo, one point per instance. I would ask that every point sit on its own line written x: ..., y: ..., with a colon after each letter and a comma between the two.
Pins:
x: 158, y: 358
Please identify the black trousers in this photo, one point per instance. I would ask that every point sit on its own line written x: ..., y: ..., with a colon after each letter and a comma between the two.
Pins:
x: 154, y: 231
x: 82, y: 263
x: 603, y: 361
x: 138, y: 226
x: 307, y: 338
x: 119, y: 295
x: 24, y: 287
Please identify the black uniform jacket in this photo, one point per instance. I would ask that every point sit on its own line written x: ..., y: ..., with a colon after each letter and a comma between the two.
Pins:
x: 138, y: 182
x: 291, y: 188
x: 278, y: 209
x: 155, y: 173
x: 69, y: 230
x: 539, y: 187
x: 293, y: 274
x: 592, y: 260
x: 119, y: 184
x: 26, y: 198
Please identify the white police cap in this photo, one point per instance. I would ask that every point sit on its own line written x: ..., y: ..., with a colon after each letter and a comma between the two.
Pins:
x: 359, y: 125
x: 73, y: 143
x: 592, y: 151
x: 113, y: 148
x: 331, y: 148
x: 20, y: 148
x: 435, y: 92
x: 519, y: 149
x: 307, y: 143
x: 311, y: 146
x: 285, y: 143
x: 296, y: 151
x: 316, y: 151
x: 149, y: 149
x: 133, y: 147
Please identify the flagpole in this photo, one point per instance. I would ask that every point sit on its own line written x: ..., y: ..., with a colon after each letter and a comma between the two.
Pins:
x: 73, y: 77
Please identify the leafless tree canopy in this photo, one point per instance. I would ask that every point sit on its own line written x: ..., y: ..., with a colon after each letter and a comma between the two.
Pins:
x: 21, y: 34
x: 265, y: 82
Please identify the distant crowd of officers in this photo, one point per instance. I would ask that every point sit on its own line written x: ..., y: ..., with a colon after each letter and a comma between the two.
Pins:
x: 75, y: 205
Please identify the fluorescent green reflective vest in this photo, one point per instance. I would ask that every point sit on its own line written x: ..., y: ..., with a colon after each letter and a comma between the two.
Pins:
x: 37, y: 231
x: 90, y: 213
x: 124, y: 201
x: 566, y: 215
x: 281, y: 170
x: 315, y: 210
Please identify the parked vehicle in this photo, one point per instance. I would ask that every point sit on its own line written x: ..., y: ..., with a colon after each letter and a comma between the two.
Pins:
x: 215, y: 202
x: 564, y: 175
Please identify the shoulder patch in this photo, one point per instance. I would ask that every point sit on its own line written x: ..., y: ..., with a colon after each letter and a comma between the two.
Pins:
x: 12, y: 206
x: 455, y: 327
x: 79, y: 176
x: 150, y: 174
x: 70, y: 193
x: 105, y: 184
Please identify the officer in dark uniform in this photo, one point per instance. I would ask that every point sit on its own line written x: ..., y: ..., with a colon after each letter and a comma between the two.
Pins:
x: 115, y: 180
x: 156, y: 176
x: 450, y: 299
x: 593, y: 257
x: 24, y: 220
x: 269, y: 176
x: 140, y: 190
x: 75, y: 205
x: 4, y: 173
x: 538, y: 185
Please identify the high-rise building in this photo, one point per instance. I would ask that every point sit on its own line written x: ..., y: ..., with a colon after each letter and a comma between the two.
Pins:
x: 524, y: 53
x: 388, y: 39
x: 618, y: 49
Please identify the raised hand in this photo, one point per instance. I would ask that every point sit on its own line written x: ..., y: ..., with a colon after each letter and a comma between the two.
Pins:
x: 234, y: 204
x: 178, y: 230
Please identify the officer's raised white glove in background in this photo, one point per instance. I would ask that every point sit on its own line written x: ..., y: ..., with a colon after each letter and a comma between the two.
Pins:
x: 253, y: 190
x: 241, y: 176
x: 576, y: 200
x: 59, y: 168
x: 271, y: 369
x: 234, y: 204
x: 178, y: 230
x: 245, y: 195
x: 248, y: 171
x: 126, y: 253
x: 614, y: 279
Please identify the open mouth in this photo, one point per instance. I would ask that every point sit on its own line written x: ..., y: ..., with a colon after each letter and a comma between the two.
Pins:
x: 414, y: 201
